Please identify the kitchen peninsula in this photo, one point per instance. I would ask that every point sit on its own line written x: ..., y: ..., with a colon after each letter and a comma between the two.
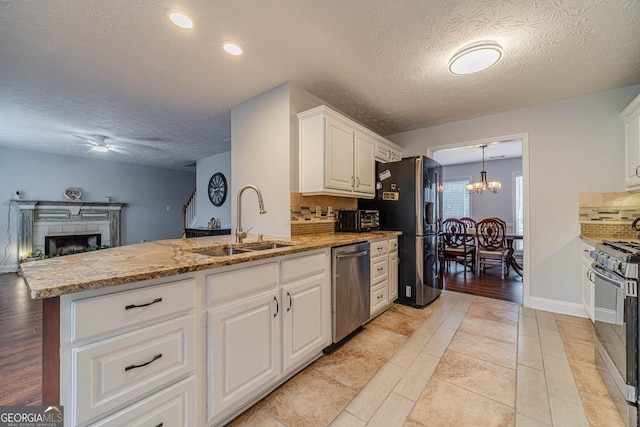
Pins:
x: 162, y: 328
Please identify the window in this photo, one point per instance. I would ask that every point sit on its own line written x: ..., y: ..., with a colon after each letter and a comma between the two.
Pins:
x: 519, y: 210
x: 455, y: 198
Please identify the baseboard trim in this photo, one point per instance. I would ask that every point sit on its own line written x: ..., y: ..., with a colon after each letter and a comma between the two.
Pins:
x: 555, y: 306
x: 9, y: 268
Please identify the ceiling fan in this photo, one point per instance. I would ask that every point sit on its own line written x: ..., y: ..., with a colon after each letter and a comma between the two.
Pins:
x: 98, y: 144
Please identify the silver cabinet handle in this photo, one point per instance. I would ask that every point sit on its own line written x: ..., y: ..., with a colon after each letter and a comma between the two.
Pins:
x: 277, y: 307
x: 290, y: 301
x: 353, y: 182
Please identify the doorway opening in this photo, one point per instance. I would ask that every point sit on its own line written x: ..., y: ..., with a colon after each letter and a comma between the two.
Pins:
x: 506, y: 161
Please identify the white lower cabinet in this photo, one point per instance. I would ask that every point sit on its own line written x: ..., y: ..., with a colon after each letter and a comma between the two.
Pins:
x: 304, y: 322
x: 256, y: 341
x: 384, y: 275
x: 194, y: 351
x: 173, y: 406
x: 394, y: 263
x: 243, y: 350
x: 115, y: 371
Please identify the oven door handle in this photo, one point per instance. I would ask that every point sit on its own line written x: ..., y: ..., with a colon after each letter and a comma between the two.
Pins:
x: 630, y: 287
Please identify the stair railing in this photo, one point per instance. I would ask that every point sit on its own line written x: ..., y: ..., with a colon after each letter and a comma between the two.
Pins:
x: 189, y: 212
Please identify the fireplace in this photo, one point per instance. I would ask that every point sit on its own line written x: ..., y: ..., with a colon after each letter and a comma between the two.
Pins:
x: 65, y: 227
x: 71, y: 244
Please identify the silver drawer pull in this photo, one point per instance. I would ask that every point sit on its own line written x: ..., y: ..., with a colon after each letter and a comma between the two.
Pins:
x: 143, y: 305
x: 156, y: 357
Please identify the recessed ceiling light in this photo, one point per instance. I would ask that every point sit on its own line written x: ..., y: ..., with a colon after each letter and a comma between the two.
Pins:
x: 475, y: 57
x: 181, y: 19
x: 100, y: 149
x: 232, y: 48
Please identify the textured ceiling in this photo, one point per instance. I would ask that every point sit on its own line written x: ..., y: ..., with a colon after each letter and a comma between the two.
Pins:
x: 119, y: 68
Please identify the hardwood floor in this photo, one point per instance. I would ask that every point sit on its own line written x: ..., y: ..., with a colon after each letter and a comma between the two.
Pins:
x: 20, y: 344
x: 489, y: 284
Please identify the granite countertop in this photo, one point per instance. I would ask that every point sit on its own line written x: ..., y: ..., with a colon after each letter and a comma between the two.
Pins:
x: 163, y: 258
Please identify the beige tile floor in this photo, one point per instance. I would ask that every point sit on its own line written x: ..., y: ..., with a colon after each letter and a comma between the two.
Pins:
x: 462, y: 361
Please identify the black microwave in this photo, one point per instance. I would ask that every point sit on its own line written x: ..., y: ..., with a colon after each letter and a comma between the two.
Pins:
x: 358, y: 220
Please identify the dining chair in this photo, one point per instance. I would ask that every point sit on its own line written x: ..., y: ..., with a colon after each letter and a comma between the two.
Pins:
x: 456, y: 244
x: 471, y: 229
x: 492, y: 251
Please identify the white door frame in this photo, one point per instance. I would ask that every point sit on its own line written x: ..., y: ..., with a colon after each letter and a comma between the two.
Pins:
x: 526, y: 274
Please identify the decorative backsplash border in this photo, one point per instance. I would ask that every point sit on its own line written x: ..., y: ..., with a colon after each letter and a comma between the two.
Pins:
x: 316, y: 214
x: 609, y: 214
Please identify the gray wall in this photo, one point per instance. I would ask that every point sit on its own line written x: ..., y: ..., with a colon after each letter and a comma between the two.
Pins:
x: 488, y: 204
x: 148, y: 191
x: 575, y: 145
x: 205, y: 210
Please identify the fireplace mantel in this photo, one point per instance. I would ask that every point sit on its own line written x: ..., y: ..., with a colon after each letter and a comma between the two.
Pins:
x: 41, y: 218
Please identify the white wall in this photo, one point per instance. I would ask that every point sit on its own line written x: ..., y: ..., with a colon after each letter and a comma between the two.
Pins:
x: 575, y: 145
x: 488, y: 204
x: 205, y: 210
x: 264, y: 152
x: 146, y: 190
x: 260, y: 155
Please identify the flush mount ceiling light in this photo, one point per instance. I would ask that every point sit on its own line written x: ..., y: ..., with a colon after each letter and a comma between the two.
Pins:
x: 232, y: 48
x: 181, y: 19
x: 475, y: 57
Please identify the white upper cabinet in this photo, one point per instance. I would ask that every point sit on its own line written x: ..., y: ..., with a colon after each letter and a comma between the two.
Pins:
x: 631, y: 116
x: 337, y: 155
x: 386, y: 151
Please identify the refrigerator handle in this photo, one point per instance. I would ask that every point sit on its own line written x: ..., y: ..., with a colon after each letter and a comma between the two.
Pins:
x: 437, y: 218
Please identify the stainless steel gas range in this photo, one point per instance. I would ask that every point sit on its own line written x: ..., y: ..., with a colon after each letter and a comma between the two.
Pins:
x: 614, y: 272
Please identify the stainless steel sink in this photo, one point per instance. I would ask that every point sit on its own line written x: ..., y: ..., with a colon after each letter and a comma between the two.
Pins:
x: 222, y: 251
x: 265, y: 246
x: 228, y: 250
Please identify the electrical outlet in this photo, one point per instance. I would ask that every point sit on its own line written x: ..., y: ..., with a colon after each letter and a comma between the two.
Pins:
x: 168, y: 208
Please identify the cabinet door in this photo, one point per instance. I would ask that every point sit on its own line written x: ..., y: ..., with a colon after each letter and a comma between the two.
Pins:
x: 304, y: 321
x: 632, y: 135
x: 339, y: 156
x: 393, y: 276
x: 243, y: 351
x: 364, y: 164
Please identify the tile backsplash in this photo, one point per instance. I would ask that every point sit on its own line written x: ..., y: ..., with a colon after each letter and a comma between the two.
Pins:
x: 609, y: 214
x: 310, y: 214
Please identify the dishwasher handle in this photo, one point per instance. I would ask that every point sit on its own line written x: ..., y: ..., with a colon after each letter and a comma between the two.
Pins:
x: 352, y: 255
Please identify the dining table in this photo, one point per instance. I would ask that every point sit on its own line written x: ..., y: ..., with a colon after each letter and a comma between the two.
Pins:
x: 512, y: 262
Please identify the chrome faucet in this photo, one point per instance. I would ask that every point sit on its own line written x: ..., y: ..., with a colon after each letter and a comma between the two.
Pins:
x: 239, y: 233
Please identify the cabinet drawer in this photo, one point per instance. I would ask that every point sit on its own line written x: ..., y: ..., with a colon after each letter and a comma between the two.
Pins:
x: 381, y: 247
x: 302, y: 266
x: 242, y: 281
x: 173, y: 406
x: 112, y: 373
x: 98, y: 315
x: 379, y: 298
x: 379, y: 268
x: 393, y: 245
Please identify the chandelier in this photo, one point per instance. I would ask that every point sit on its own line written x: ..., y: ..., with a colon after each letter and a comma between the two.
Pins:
x: 480, y: 186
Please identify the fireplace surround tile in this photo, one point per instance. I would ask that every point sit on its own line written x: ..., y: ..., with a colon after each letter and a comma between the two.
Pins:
x: 39, y: 219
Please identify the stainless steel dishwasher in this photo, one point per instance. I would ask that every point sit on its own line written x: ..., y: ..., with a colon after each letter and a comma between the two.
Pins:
x: 350, y: 288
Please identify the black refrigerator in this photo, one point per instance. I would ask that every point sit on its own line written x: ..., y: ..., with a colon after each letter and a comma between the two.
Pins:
x: 409, y: 198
